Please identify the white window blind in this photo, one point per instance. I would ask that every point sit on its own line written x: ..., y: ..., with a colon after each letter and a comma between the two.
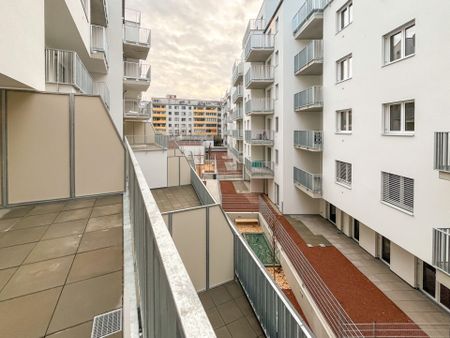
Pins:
x: 398, y: 191
x: 344, y: 173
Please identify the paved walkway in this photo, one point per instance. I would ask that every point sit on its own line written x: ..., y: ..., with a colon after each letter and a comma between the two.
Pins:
x: 60, y: 265
x: 414, y: 303
x: 230, y: 313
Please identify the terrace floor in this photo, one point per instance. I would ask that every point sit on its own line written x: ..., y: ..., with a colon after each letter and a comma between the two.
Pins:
x: 60, y: 265
x: 176, y: 198
x: 230, y: 312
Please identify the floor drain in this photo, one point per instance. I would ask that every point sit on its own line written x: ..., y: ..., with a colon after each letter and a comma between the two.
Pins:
x: 107, y: 324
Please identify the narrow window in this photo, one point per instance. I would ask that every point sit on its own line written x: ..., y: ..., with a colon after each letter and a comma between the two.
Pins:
x: 344, y: 68
x: 345, y: 16
x: 399, y: 118
x: 344, y: 173
x: 344, y: 121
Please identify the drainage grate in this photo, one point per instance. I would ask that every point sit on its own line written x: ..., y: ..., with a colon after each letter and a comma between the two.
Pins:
x: 107, y: 324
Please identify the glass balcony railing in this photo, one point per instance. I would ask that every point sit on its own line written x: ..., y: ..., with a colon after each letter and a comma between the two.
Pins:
x: 308, y: 99
x: 136, y: 71
x: 259, y: 168
x: 313, y: 52
x: 442, y: 151
x: 136, y: 35
x: 308, y: 8
x: 257, y: 106
x: 259, y: 137
x: 310, y: 182
x: 308, y: 139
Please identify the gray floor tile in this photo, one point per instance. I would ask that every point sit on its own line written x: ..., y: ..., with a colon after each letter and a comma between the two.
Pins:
x: 206, y: 300
x: 104, y: 222
x: 241, y: 329
x: 23, y: 236
x: 73, y: 215
x: 5, y: 275
x: 107, y: 200
x: 14, y: 255
x: 219, y: 295
x: 101, y: 239
x: 47, y: 208
x: 7, y: 224
x: 35, y: 221
x: 65, y: 229
x: 17, y: 212
x: 107, y: 210
x: 243, y: 305
x: 54, y: 248
x: 80, y: 331
x: 79, y: 204
x: 229, y: 311
x: 215, y: 318
x: 222, y: 333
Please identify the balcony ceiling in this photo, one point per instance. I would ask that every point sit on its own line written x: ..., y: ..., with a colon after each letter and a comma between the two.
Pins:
x: 98, y: 14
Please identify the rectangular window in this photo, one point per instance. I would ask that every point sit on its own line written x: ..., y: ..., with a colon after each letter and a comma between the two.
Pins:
x: 399, y: 118
x: 445, y: 296
x: 277, y: 91
x: 276, y: 156
x: 344, y: 173
x: 344, y: 121
x: 429, y: 279
x: 344, y: 68
x: 345, y: 16
x: 276, y: 124
x: 398, y: 191
x: 332, y: 213
x: 386, y: 250
x: 400, y: 43
x: 356, y: 230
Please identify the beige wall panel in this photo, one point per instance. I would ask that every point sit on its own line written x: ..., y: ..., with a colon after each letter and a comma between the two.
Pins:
x: 38, y: 147
x: 185, y: 171
x: 189, y: 235
x: 127, y: 128
x: 403, y: 264
x: 221, y: 253
x: 173, y: 178
x: 367, y: 239
x: 99, y: 154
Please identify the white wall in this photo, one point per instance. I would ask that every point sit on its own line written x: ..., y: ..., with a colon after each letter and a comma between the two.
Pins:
x: 22, y: 62
x: 154, y: 167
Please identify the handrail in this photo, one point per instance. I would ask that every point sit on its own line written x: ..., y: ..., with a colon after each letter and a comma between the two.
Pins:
x: 308, y: 139
x: 258, y: 73
x: 308, y: 97
x: 259, y: 136
x: 312, y: 52
x: 253, y: 25
x: 259, y: 105
x: 259, y: 41
x: 312, y: 182
x: 308, y: 8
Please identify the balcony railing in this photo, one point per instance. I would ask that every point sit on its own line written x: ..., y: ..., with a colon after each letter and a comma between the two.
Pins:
x: 99, y: 42
x: 259, y: 42
x: 441, y: 249
x: 308, y: 181
x: 136, y: 108
x: 259, y: 137
x: 101, y: 89
x: 238, y: 94
x: 259, y: 168
x: 308, y: 8
x: 253, y: 25
x: 136, y: 35
x: 168, y: 303
x: 259, y: 73
x: 237, y: 134
x: 64, y: 67
x: 313, y: 52
x: 236, y: 153
x: 132, y: 15
x: 136, y: 71
x: 442, y: 151
x: 308, y: 139
x: 238, y: 71
x: 310, y: 98
x: 259, y: 106
x: 238, y: 113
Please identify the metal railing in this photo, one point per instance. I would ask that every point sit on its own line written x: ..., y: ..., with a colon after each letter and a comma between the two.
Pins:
x: 308, y: 139
x: 136, y: 108
x: 308, y: 97
x: 401, y: 330
x: 238, y: 71
x: 237, y: 134
x: 168, y: 303
x: 99, y: 41
x: 441, y: 249
x: 132, y: 15
x: 274, y: 312
x: 442, y: 151
x: 238, y: 154
x: 311, y: 182
x: 259, y: 105
x: 101, y: 89
x: 313, y: 52
x: 338, y: 319
x: 162, y: 140
x: 308, y: 8
x: 253, y: 25
x: 259, y: 41
x: 203, y: 194
x: 64, y: 67
x: 259, y: 73
x: 136, y: 71
x: 238, y: 113
x: 238, y: 93
x: 259, y: 167
x: 136, y: 35
x: 263, y: 137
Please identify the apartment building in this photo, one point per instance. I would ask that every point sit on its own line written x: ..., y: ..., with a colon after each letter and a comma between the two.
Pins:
x: 183, y: 117
x: 345, y: 117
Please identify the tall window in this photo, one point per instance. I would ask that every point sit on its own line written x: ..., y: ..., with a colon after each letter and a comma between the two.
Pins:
x: 344, y: 121
x: 399, y: 118
x: 276, y: 124
x: 400, y: 43
x: 276, y: 156
x: 345, y: 16
x: 398, y: 191
x: 344, y: 173
x: 344, y: 68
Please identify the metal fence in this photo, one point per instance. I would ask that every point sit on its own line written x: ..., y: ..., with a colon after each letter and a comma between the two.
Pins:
x: 312, y: 52
x: 168, y: 303
x: 308, y: 8
x: 262, y: 105
x: 101, y: 89
x: 442, y: 151
x: 136, y: 70
x: 258, y: 73
x: 441, y: 248
x: 253, y: 25
x: 308, y: 97
x: 312, y: 182
x: 162, y: 140
x: 99, y: 41
x: 136, y: 35
x: 237, y: 93
x: 308, y: 139
x: 258, y: 41
x: 262, y: 137
x: 202, y: 193
x: 403, y: 330
x: 238, y: 70
x: 259, y: 168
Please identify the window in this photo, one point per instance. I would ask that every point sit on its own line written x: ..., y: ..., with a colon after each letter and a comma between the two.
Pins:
x: 332, y: 213
x: 277, y: 89
x: 386, y: 250
x: 344, y: 68
x: 344, y: 173
x: 400, y: 43
x: 277, y: 58
x: 445, y: 296
x: 344, y: 121
x: 356, y: 230
x: 429, y: 279
x: 398, y: 191
x: 345, y: 16
x: 399, y: 118
x: 277, y: 24
x: 276, y: 124
x: 276, y: 156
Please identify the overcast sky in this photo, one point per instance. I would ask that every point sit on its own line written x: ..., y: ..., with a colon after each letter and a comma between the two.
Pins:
x: 194, y: 44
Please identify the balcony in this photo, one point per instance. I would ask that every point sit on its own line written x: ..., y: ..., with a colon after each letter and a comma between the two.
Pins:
x: 310, y: 184
x: 310, y: 60
x: 238, y: 72
x: 259, y: 137
x: 132, y: 16
x: 99, y: 12
x: 307, y: 24
x: 136, y: 109
x: 259, y: 106
x: 136, y: 76
x: 442, y: 151
x: 237, y: 134
x: 238, y: 113
x: 237, y: 154
x: 259, y: 77
x: 238, y: 94
x: 254, y: 26
x: 99, y: 49
x: 309, y: 100
x: 259, y: 168
x: 136, y: 41
x: 259, y: 47
x: 441, y: 249
x: 310, y: 140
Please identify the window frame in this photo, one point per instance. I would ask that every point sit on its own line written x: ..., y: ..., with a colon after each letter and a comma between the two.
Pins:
x: 340, y: 23
x: 387, y: 119
x: 387, y: 43
x: 348, y: 172
x: 349, y: 126
x: 401, y: 205
x: 340, y: 68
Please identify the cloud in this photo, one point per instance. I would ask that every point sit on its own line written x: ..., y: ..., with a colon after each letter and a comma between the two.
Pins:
x: 194, y: 44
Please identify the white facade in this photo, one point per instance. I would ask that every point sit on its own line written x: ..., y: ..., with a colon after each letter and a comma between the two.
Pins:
x: 342, y: 120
